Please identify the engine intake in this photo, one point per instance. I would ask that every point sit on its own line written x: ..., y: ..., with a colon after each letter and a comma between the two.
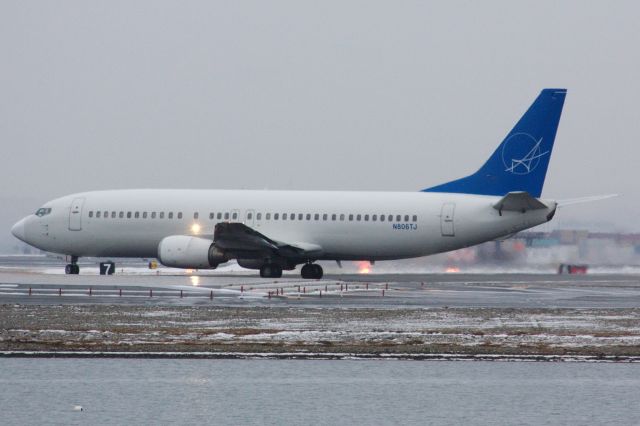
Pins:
x: 183, y: 251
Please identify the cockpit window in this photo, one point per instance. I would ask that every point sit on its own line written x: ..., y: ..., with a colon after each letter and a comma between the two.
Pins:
x: 43, y: 212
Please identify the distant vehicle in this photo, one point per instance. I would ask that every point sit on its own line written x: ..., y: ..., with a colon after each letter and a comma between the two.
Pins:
x: 274, y: 231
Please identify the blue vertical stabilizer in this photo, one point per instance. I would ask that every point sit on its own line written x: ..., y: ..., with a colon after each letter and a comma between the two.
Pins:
x: 520, y: 162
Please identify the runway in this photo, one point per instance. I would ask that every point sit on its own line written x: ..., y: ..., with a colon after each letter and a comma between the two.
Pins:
x: 381, y: 290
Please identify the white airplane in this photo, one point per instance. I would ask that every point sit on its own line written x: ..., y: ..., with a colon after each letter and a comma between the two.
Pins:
x: 277, y: 230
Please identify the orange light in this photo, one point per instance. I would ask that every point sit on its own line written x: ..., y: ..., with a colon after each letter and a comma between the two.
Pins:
x: 364, y: 267
x: 452, y: 269
x: 195, y: 229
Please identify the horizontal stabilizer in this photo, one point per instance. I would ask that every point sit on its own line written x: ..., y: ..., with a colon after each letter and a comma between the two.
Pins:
x: 571, y: 201
x: 519, y: 202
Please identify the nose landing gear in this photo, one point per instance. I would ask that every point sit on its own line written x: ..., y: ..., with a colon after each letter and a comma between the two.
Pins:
x: 72, y: 268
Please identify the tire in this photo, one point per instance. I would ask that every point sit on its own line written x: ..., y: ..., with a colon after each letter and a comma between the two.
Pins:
x: 265, y: 271
x: 271, y: 270
x: 68, y: 269
x: 276, y: 271
x: 317, y: 271
x: 307, y: 271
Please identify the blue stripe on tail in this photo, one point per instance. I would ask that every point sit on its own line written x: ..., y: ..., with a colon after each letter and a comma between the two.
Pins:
x: 520, y: 162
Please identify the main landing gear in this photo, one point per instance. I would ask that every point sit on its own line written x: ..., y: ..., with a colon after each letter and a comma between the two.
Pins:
x: 311, y: 271
x: 270, y: 270
x: 72, y: 268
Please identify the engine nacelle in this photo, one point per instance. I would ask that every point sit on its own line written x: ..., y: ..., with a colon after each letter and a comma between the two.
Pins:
x: 183, y: 251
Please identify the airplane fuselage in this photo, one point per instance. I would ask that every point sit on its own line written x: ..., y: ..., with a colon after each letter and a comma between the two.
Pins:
x: 346, y: 225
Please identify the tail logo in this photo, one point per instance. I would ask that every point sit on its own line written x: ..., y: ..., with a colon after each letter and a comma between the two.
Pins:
x: 521, y: 153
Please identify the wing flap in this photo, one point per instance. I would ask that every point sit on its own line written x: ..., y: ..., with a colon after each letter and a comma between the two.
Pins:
x: 238, y: 237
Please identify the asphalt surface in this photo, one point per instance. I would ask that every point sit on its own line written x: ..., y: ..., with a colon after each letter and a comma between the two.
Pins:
x: 38, y: 285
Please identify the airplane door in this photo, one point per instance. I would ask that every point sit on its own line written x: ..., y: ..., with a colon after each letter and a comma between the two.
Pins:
x: 75, y: 214
x: 249, y: 217
x: 446, y: 220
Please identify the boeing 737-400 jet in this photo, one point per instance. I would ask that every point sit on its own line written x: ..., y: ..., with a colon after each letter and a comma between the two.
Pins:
x: 272, y: 231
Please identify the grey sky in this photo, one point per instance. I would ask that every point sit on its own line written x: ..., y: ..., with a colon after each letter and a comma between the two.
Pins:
x: 311, y: 95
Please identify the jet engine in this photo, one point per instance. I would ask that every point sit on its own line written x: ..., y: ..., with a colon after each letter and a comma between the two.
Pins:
x: 183, y: 251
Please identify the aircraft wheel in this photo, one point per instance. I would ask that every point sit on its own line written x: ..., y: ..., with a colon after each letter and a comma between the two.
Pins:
x: 72, y: 269
x: 307, y: 271
x: 317, y: 271
x: 276, y: 271
x: 271, y: 270
x: 265, y: 271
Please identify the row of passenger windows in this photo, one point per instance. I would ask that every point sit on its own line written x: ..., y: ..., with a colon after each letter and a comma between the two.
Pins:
x: 334, y: 217
x: 267, y: 216
x: 136, y: 215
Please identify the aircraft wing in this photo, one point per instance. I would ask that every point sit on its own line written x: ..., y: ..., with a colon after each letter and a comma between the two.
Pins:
x: 518, y: 202
x: 239, y: 238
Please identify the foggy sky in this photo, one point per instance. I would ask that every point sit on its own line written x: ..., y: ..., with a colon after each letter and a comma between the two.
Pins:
x: 312, y: 95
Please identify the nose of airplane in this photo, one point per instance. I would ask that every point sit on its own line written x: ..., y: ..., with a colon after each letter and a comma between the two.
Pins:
x: 18, y: 230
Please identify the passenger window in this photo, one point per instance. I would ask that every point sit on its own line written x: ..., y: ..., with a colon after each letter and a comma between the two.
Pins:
x: 144, y: 215
x: 137, y: 215
x: 98, y: 213
x: 333, y: 217
x: 161, y: 215
x: 300, y: 216
x: 179, y: 215
x: 106, y: 214
x: 366, y: 218
x: 121, y: 215
x: 316, y: 216
x: 342, y: 217
x: 219, y: 216
x: 259, y: 216
x: 398, y: 218
x: 308, y: 216
x: 268, y: 216
x: 226, y: 216
x: 211, y: 215
x: 153, y: 215
x: 195, y: 215
x: 91, y: 214
x: 358, y: 218
x: 350, y: 218
x: 275, y: 216
x: 381, y: 218
x: 325, y: 216
x: 235, y: 215
x: 374, y: 217
x: 113, y: 215
x: 406, y: 218
x: 284, y: 216
x: 249, y: 216
x: 415, y: 218
x: 170, y: 215
x: 390, y: 218
x: 292, y: 216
